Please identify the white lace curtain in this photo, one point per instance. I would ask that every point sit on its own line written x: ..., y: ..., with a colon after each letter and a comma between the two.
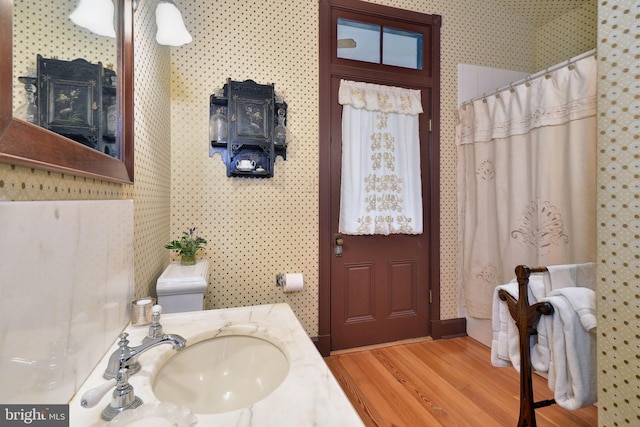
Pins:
x: 526, y: 180
x: 381, y: 187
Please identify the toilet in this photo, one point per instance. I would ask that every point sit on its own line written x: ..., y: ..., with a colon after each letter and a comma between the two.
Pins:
x: 181, y: 288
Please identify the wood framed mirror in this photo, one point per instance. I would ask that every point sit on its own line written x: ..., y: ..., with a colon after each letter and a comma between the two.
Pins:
x: 26, y: 144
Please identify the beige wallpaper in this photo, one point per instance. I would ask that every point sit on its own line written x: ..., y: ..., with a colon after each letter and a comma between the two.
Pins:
x: 619, y: 214
x: 569, y: 34
x: 152, y: 184
x: 259, y: 227
x: 256, y: 228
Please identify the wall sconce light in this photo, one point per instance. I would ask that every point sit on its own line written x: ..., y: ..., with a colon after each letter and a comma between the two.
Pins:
x: 96, y: 16
x: 171, y: 28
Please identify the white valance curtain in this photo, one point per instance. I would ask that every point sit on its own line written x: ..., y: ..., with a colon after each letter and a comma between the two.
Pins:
x: 526, y: 180
x: 381, y: 191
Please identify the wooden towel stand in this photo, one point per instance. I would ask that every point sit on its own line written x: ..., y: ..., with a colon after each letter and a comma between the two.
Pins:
x: 526, y: 317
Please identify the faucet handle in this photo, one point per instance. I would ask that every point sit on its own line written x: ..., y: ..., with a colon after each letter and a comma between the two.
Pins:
x: 124, y: 342
x: 155, y: 330
x: 90, y: 398
x: 123, y: 397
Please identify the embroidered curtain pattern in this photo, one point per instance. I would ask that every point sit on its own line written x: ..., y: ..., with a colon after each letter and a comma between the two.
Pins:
x: 526, y: 180
x: 381, y: 191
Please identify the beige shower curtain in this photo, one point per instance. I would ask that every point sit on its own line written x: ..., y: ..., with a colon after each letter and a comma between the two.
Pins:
x: 526, y: 180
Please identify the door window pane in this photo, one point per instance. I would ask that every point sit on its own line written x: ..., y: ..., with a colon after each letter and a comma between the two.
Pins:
x: 361, y: 41
x: 402, y: 48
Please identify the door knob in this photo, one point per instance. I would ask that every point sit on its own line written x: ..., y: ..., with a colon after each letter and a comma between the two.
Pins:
x: 338, y: 244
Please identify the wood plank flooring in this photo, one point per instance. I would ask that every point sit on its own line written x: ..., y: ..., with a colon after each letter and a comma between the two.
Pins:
x: 441, y: 383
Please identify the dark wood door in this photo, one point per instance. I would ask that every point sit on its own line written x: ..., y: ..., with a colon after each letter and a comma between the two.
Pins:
x: 380, y: 285
x: 383, y: 288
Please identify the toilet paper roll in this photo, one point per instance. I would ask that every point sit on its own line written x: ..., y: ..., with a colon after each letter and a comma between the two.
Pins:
x: 293, y: 282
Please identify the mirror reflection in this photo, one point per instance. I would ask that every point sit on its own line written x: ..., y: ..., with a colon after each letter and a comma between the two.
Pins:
x: 64, y: 76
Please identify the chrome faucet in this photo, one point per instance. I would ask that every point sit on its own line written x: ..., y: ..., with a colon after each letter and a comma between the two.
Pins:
x: 122, y: 364
x: 127, y: 357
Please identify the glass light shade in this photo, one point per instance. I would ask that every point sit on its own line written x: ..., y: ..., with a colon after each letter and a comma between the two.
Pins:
x: 96, y: 16
x: 171, y: 28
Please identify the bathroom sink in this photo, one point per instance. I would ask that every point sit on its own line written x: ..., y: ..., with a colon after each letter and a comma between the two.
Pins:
x: 221, y: 374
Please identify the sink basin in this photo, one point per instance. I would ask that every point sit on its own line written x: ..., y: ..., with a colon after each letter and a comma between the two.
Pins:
x: 221, y: 374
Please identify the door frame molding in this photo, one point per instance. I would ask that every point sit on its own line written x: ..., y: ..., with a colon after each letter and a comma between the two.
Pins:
x: 432, y: 217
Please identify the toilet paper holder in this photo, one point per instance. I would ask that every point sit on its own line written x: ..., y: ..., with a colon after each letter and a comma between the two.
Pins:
x: 293, y: 282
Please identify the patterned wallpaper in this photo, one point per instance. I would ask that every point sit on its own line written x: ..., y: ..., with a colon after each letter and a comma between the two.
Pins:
x: 540, y: 12
x: 260, y: 227
x: 152, y: 185
x: 567, y: 35
x: 619, y: 213
x: 257, y: 228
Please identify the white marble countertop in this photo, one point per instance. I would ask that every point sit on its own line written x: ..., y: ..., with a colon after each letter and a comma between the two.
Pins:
x: 309, y: 395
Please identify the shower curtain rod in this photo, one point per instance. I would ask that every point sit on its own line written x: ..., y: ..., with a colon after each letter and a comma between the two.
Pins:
x: 533, y: 76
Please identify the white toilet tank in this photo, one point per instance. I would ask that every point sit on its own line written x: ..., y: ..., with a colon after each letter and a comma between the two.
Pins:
x: 182, y: 287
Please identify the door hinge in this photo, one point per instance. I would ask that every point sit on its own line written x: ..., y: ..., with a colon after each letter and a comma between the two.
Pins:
x: 429, y: 125
x: 430, y: 297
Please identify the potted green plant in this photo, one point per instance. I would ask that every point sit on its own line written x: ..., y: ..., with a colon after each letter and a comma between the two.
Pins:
x: 187, y: 246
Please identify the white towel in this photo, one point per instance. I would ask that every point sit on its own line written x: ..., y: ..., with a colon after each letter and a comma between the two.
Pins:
x: 505, y: 343
x: 571, y: 275
x: 583, y: 302
x: 540, y: 352
x: 572, y: 347
x: 504, y: 330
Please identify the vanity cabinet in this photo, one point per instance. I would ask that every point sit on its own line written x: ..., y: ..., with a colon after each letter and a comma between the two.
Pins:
x: 247, y: 127
x: 77, y: 99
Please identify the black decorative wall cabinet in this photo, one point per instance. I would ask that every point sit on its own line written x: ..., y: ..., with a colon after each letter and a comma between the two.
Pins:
x: 247, y: 127
x: 77, y: 99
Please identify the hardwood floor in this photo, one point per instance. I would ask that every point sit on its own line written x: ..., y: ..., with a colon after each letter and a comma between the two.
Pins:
x: 441, y: 383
